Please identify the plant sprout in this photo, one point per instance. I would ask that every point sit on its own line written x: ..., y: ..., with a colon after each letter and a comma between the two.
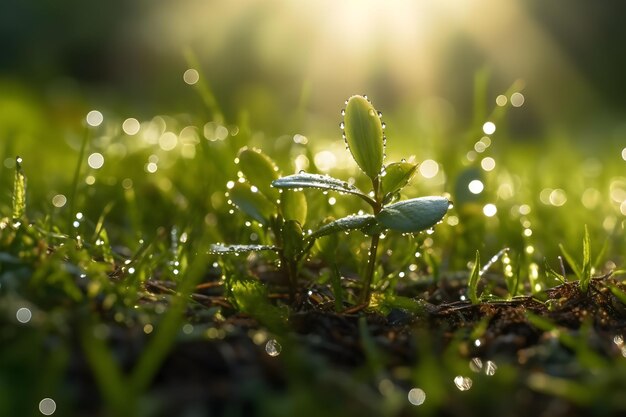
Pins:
x: 363, y: 132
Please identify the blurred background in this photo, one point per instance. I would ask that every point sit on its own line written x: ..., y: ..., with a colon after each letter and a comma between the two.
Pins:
x: 420, y: 57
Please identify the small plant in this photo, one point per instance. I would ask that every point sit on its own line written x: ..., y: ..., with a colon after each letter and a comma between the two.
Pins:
x: 271, y: 199
x: 281, y: 213
x: 363, y: 132
x: 583, y: 272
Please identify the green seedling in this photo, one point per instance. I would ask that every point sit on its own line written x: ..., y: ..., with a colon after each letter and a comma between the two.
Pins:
x: 280, y: 212
x: 582, y: 272
x: 363, y: 133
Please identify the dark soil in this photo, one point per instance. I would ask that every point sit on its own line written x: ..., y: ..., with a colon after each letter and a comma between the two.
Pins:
x: 231, y: 373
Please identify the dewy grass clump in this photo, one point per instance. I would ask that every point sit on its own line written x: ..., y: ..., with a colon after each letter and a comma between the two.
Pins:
x: 363, y: 132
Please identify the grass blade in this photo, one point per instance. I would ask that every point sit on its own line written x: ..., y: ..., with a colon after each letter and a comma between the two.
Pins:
x: 585, y: 273
x: 19, y: 191
x: 570, y: 260
x: 472, y: 285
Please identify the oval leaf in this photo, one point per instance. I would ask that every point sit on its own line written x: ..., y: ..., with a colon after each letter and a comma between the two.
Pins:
x: 363, y: 132
x: 222, y: 249
x: 413, y: 215
x: 344, y: 224
x: 397, y: 175
x: 321, y: 182
x: 254, y: 204
x: 293, y: 206
x: 259, y: 169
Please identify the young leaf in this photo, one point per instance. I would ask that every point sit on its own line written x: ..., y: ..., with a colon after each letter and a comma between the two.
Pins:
x: 321, y: 182
x: 397, y: 175
x: 364, y: 135
x: 414, y: 215
x: 19, y: 191
x: 259, y: 169
x: 551, y: 273
x: 293, y: 206
x: 472, y: 284
x: 221, y: 249
x: 293, y: 240
x: 344, y: 224
x: 254, y: 204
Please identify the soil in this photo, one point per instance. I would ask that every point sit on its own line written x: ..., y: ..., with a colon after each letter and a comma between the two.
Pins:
x: 328, y: 353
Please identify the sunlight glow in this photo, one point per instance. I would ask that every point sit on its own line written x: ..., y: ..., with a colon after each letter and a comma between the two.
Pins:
x: 476, y: 186
x: 490, y: 210
x: 94, y: 118
x: 23, y: 315
x: 488, y: 163
x: 168, y: 141
x: 59, y: 200
x: 191, y: 76
x: 131, y: 126
x: 417, y: 396
x: 325, y: 160
x: 557, y: 197
x: 517, y: 99
x: 47, y: 406
x: 489, y: 128
x: 429, y: 168
x: 95, y: 160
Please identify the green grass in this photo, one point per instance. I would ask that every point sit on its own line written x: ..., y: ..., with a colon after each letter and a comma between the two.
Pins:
x: 152, y: 210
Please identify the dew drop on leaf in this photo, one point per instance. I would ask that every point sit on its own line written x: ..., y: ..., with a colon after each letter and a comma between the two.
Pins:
x: 273, y: 348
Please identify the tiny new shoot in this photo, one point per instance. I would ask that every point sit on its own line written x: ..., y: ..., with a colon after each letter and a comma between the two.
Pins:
x: 582, y: 272
x: 472, y: 285
x: 363, y: 133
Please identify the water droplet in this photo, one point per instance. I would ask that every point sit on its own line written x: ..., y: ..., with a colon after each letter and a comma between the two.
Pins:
x: 273, y: 348
x: 342, y: 125
x: 417, y: 396
x: 384, y: 125
x: 47, y: 406
x: 490, y: 368
x: 463, y: 383
x: 343, y: 112
x: 23, y: 315
x: 380, y: 114
x: 476, y: 365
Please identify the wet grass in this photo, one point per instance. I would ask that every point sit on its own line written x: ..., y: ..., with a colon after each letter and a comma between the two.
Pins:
x: 111, y: 303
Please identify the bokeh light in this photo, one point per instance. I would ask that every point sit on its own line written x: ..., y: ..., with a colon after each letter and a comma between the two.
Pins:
x: 94, y: 118
x: 429, y: 168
